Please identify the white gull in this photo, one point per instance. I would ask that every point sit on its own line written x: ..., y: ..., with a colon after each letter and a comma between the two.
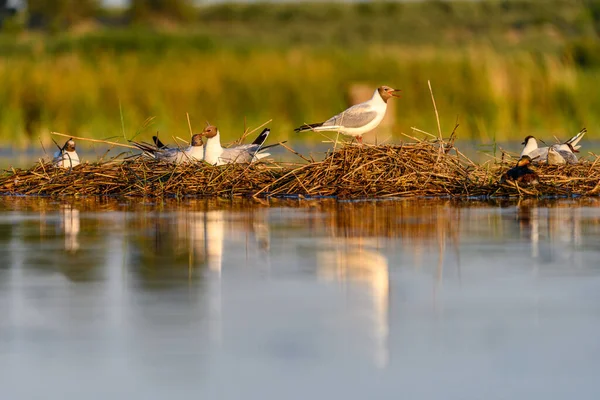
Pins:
x: 66, y: 156
x: 539, y: 154
x: 215, y: 154
x: 358, y: 119
x: 194, y: 152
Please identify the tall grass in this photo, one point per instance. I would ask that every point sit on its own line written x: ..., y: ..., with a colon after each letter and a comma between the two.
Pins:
x: 504, y: 69
x: 494, y: 96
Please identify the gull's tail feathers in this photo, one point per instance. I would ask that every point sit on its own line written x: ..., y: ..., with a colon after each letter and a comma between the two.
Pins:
x: 317, y: 127
x: 575, y: 139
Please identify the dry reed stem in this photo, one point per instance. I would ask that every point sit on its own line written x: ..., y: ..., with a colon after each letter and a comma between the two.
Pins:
x: 189, y: 124
x: 94, y: 140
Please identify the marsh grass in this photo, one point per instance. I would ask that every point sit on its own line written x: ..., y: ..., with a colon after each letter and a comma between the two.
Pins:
x: 495, y: 97
x: 506, y: 69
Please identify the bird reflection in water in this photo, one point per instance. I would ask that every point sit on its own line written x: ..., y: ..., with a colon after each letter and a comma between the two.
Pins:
x: 69, y: 224
x: 359, y: 261
x: 556, y: 224
x: 353, y: 252
x: 206, y: 232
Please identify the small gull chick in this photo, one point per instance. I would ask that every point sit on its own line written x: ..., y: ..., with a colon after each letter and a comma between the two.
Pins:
x: 559, y: 156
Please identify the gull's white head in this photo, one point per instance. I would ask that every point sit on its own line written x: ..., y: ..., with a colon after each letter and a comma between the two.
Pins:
x: 387, y: 92
x: 210, y: 131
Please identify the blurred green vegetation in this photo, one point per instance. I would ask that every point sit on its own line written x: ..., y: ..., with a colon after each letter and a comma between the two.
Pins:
x: 505, y: 69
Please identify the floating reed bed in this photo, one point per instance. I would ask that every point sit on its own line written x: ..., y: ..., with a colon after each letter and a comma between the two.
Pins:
x: 420, y: 169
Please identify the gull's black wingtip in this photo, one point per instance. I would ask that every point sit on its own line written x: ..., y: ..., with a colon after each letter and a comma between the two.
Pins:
x: 158, y: 143
x: 308, y: 127
x: 262, y: 137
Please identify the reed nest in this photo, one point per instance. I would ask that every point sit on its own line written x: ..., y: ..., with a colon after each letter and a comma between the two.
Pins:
x: 420, y: 169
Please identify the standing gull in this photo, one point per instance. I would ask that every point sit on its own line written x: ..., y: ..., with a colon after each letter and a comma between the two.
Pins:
x: 194, y: 152
x: 66, y: 156
x: 358, y: 119
x: 215, y: 154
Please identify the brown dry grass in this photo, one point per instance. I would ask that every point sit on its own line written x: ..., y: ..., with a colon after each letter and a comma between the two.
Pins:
x: 420, y: 169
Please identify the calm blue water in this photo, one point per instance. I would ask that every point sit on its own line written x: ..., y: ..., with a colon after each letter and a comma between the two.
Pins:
x: 296, y: 300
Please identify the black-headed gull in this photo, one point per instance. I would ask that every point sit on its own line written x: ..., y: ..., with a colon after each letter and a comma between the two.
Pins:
x: 358, y: 119
x: 540, y: 154
x: 215, y: 154
x: 194, y: 152
x: 66, y: 156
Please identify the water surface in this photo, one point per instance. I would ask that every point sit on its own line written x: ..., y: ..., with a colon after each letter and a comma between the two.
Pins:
x: 296, y: 300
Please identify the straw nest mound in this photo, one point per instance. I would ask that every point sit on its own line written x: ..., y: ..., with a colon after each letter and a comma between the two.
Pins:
x: 422, y: 169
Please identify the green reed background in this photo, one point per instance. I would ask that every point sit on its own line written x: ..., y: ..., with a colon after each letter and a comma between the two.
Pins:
x: 505, y: 69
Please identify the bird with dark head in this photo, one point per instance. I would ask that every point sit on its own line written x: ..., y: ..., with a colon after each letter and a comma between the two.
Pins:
x: 521, y: 173
x: 173, y: 155
x: 215, y: 154
x: 66, y: 156
x: 358, y: 119
x: 540, y: 154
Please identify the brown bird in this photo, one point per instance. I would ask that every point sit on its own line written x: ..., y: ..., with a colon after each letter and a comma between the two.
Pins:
x: 521, y: 173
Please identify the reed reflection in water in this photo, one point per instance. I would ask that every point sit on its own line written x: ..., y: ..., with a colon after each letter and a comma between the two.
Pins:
x: 164, y: 298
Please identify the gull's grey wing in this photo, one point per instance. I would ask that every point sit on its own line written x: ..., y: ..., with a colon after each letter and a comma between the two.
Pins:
x: 179, y: 156
x: 569, y: 156
x: 168, y: 154
x: 239, y: 154
x: 355, y: 117
x: 539, y: 154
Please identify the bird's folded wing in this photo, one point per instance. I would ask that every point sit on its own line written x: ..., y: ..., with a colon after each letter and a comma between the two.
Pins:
x: 355, y: 117
x: 539, y: 154
x: 569, y: 156
x: 239, y: 154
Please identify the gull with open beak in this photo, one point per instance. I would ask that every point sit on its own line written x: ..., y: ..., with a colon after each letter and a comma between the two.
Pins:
x: 539, y: 154
x: 66, y: 156
x: 358, y: 119
x: 215, y: 154
x: 194, y: 152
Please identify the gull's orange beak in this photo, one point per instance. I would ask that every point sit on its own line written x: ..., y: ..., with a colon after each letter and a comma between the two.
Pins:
x: 394, y: 92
